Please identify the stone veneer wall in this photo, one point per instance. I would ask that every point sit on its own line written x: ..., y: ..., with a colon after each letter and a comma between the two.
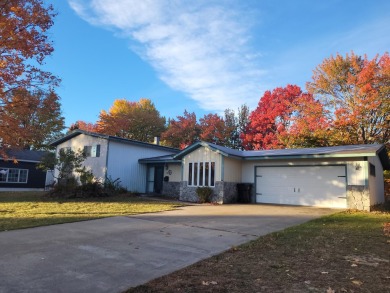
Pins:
x: 187, y: 193
x: 224, y: 192
x: 171, y: 189
x: 358, y: 197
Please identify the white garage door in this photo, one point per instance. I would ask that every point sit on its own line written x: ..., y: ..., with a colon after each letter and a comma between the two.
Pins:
x: 320, y: 186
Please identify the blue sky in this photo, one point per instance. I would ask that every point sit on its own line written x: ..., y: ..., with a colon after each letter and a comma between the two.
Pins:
x: 203, y: 56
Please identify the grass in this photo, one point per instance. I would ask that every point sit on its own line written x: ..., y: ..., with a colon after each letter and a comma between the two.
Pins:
x: 344, y: 252
x: 32, y: 209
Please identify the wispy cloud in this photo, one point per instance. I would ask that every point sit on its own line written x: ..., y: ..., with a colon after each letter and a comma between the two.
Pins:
x: 201, y: 48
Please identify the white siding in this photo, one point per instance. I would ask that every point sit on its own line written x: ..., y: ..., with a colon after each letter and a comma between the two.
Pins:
x: 49, y: 178
x: 96, y: 164
x: 123, y: 163
x: 376, y: 183
x: 357, y: 173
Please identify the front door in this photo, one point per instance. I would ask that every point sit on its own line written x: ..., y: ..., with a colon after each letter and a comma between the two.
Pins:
x: 158, y: 178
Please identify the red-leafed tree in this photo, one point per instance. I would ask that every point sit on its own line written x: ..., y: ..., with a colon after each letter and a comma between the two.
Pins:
x: 356, y: 92
x: 181, y: 132
x: 213, y: 129
x: 271, y: 119
x: 24, y: 44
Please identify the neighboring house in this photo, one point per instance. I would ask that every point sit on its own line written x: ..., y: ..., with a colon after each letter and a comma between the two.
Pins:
x: 114, y: 157
x: 335, y: 177
x: 18, y: 171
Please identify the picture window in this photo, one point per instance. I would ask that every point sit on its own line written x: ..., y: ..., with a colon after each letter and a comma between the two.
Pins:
x: 201, y: 174
x: 10, y: 175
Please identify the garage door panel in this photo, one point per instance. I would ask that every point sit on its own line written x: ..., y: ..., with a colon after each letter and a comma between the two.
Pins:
x: 322, y: 186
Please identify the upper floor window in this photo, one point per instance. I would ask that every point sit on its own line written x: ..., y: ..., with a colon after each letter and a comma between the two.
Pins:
x: 201, y: 174
x: 65, y: 149
x: 92, y: 150
x: 8, y: 175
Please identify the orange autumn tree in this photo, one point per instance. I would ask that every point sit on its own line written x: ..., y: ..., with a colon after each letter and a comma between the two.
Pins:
x: 309, y: 124
x: 356, y: 94
x: 82, y: 125
x: 31, y: 119
x: 132, y: 120
x: 24, y: 87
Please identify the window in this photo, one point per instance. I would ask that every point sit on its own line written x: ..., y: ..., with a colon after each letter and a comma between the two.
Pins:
x: 195, y: 174
x: 65, y: 149
x: 23, y: 176
x: 92, y: 151
x: 212, y: 172
x: 206, y: 174
x: 87, y: 150
x: 372, y: 169
x: 13, y: 175
x: 201, y: 174
x: 190, y: 174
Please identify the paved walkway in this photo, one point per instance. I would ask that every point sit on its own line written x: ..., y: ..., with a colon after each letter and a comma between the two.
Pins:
x: 113, y: 254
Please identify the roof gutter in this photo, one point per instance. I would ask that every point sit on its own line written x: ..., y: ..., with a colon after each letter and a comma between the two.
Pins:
x: 310, y: 156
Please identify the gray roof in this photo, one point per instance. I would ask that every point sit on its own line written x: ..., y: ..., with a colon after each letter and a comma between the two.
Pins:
x: 23, y: 155
x: 159, y: 160
x: 320, y: 152
x: 77, y: 132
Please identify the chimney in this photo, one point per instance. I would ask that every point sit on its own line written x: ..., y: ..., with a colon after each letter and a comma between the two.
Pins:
x: 157, y: 140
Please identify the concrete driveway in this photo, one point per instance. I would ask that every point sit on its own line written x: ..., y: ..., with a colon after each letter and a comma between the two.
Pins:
x: 113, y: 254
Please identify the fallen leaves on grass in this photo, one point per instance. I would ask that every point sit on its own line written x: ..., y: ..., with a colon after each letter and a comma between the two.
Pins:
x: 386, y: 229
x: 368, y: 260
x: 206, y: 283
x: 357, y: 282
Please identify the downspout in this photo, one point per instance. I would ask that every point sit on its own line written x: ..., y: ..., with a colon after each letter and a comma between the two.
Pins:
x: 106, y: 168
x: 222, y: 168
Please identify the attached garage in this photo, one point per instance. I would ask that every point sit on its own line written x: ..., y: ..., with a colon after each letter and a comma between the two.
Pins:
x: 320, y: 186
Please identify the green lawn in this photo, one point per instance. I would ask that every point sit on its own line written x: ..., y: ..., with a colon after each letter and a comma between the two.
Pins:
x: 344, y: 252
x: 32, y: 209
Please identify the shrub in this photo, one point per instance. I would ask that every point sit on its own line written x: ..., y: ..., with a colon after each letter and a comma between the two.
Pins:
x: 86, y: 176
x: 92, y: 189
x: 114, y: 186
x: 204, y: 194
x: 65, y: 187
